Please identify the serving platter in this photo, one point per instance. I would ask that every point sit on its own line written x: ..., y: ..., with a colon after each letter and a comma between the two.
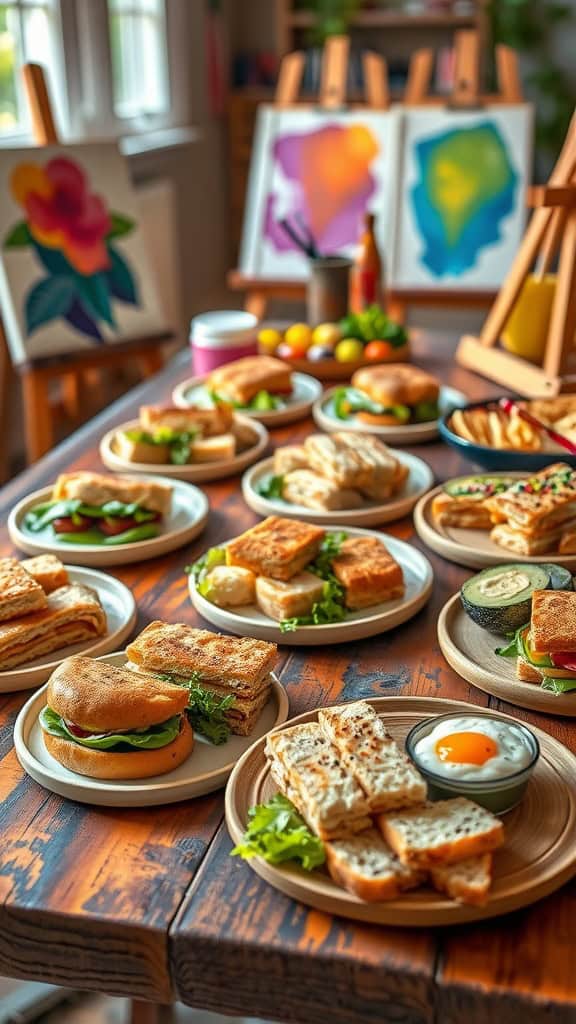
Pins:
x: 419, y: 481
x: 473, y: 548
x: 198, y: 472
x: 410, y: 433
x: 120, y: 608
x: 297, y: 405
x: 538, y: 855
x: 471, y: 652
x: 187, y: 519
x: 248, y: 620
x: 206, y: 770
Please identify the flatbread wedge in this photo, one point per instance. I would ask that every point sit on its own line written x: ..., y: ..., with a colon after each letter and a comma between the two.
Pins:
x: 20, y: 594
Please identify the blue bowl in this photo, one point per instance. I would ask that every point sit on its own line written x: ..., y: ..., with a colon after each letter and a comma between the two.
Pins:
x: 504, y: 459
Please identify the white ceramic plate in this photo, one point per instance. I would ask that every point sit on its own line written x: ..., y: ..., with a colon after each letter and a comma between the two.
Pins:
x: 120, y: 609
x: 305, y: 391
x: 471, y: 652
x: 250, y: 621
x: 411, y: 433
x: 198, y: 472
x: 207, y: 768
x: 186, y: 520
x: 473, y: 548
x: 419, y: 481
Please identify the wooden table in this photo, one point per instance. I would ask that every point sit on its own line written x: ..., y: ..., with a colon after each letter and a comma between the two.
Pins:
x: 147, y: 903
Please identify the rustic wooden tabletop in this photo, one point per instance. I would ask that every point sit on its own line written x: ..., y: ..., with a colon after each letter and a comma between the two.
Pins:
x: 147, y: 903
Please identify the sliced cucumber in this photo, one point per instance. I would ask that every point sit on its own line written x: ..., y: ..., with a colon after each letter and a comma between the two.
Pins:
x: 499, y: 599
x: 560, y: 578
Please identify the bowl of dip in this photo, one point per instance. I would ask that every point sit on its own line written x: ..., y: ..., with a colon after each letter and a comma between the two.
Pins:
x: 480, y: 756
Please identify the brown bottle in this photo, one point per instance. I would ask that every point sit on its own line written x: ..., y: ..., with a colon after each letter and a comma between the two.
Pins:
x: 367, y: 277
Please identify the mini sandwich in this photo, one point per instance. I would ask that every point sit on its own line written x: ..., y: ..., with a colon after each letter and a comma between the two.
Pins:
x: 368, y: 572
x: 546, y: 648
x: 20, y: 594
x: 287, y: 599
x: 290, y: 458
x: 400, y: 392
x: 352, y: 462
x: 463, y: 502
x: 532, y: 514
x: 306, y: 487
x: 206, y: 422
x: 108, y: 723
x: 168, y: 434
x: 277, y: 547
x: 241, y: 380
x: 107, y: 509
x: 224, y: 665
x: 73, y: 614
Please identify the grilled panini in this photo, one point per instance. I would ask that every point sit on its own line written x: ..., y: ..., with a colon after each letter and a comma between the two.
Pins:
x: 73, y: 614
x: 276, y: 547
x: 368, y: 572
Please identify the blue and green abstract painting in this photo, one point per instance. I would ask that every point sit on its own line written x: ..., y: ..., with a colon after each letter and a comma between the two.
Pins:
x: 466, y: 188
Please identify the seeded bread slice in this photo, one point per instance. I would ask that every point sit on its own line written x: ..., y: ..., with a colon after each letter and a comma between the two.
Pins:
x: 369, y: 753
x: 441, y: 832
x: 467, y: 881
x: 366, y: 866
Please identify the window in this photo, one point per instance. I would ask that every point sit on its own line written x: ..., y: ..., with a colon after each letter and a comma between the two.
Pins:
x: 29, y: 31
x: 137, y: 41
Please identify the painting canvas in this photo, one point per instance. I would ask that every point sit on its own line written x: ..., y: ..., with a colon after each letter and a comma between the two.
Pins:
x: 462, y: 204
x: 319, y: 169
x: 73, y: 268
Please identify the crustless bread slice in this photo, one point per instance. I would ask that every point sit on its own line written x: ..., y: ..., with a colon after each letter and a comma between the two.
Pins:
x: 366, y: 866
x: 369, y: 753
x: 441, y: 832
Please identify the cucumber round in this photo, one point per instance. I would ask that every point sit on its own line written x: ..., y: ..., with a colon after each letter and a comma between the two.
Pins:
x: 484, y: 598
x: 560, y: 578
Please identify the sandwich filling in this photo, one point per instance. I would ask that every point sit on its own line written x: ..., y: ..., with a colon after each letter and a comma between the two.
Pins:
x: 78, y: 522
x: 150, y: 738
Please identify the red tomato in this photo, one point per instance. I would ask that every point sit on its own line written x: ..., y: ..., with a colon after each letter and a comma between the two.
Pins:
x: 67, y: 525
x: 377, y: 350
x: 564, y: 659
x: 113, y: 525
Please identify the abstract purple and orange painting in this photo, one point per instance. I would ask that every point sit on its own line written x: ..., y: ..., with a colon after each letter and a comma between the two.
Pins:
x: 320, y: 170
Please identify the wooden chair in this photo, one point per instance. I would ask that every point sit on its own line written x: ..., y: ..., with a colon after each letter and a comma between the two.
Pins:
x: 69, y: 370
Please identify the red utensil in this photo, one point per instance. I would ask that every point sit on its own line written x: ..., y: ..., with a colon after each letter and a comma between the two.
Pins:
x: 508, y: 405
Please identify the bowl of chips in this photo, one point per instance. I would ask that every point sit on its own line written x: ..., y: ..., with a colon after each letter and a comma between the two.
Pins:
x: 493, y: 439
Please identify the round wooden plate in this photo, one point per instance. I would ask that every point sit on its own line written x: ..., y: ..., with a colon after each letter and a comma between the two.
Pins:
x: 297, y: 405
x: 248, y: 620
x: 470, y: 651
x: 198, y: 472
x: 206, y: 770
x: 419, y: 480
x: 120, y: 608
x: 187, y: 519
x: 538, y: 856
x: 473, y: 548
x: 410, y: 433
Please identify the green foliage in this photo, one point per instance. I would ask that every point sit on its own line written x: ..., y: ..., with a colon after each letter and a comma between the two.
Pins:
x: 332, y: 17
x: 331, y: 606
x: 373, y: 324
x: 151, y: 738
x: 277, y: 833
x: 18, y: 237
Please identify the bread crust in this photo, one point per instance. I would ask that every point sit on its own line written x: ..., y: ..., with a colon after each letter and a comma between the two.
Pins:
x: 372, y: 890
x: 99, y: 697
x: 106, y: 764
x: 396, y: 384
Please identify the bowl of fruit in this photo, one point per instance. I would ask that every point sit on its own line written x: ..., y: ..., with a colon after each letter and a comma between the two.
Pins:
x: 333, y: 351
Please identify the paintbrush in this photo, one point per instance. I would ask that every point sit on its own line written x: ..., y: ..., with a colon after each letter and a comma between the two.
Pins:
x: 305, y: 247
x: 508, y: 406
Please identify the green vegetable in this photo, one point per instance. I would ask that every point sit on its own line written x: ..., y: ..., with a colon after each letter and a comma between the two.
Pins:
x: 331, y: 607
x: 140, y: 739
x: 271, y: 487
x: 372, y: 324
x: 179, y: 442
x: 558, y: 685
x: 143, y: 532
x: 206, y: 710
x: 265, y: 402
x: 510, y: 650
x: 347, y: 401
x: 277, y: 833
x: 213, y: 557
x: 423, y: 412
x: 41, y: 516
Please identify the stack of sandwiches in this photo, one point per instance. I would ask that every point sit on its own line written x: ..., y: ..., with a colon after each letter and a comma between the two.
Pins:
x: 42, y: 612
x: 338, y: 471
x: 166, y: 434
x: 224, y: 665
x: 537, y: 515
x: 242, y: 380
x: 267, y: 565
x: 361, y: 795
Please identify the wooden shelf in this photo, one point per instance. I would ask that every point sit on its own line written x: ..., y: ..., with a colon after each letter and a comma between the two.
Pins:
x: 390, y: 19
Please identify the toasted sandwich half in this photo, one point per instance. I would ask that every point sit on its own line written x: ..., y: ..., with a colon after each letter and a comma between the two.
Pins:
x: 547, y: 647
x: 20, y: 594
x: 73, y: 614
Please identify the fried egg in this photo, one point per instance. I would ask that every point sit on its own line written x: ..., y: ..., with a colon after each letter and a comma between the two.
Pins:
x: 473, y: 748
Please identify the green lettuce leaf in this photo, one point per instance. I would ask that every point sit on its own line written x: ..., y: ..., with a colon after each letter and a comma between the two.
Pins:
x: 146, y: 739
x: 206, y: 710
x: 277, y: 833
x: 265, y: 402
x: 331, y: 606
x: 558, y: 686
x: 212, y: 558
x: 271, y: 487
x: 347, y: 401
x: 511, y: 649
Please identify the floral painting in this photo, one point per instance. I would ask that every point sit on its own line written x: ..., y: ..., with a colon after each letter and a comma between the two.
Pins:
x: 322, y: 170
x: 74, y: 264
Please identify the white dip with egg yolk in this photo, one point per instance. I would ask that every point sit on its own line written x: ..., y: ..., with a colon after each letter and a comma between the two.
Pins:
x: 473, y: 748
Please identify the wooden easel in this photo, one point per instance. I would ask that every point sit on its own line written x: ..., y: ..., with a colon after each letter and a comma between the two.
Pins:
x: 551, y: 228
x: 466, y: 94
x: 37, y: 374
